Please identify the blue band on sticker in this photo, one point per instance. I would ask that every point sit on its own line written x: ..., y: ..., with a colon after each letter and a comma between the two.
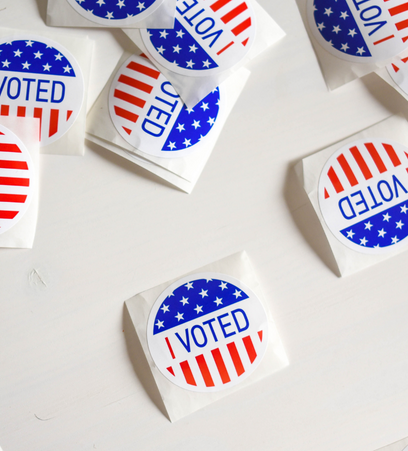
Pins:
x: 115, y: 9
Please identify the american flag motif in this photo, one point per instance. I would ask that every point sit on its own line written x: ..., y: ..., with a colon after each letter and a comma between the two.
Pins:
x: 363, y: 195
x: 37, y: 79
x: 207, y: 333
x: 207, y: 36
x: 150, y: 115
x: 16, y: 179
x: 369, y: 29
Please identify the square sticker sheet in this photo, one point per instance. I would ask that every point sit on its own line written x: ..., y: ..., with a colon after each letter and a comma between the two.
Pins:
x: 140, y: 116
x: 206, y: 334
x: 359, y: 190
x: 209, y: 42
x: 46, y: 77
x: 353, y: 38
x: 111, y: 13
x: 19, y: 180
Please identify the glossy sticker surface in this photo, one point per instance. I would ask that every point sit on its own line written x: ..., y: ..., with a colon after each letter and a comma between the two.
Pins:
x: 360, y: 30
x: 208, y: 37
x: 150, y: 115
x: 207, y: 332
x: 39, y: 78
x: 115, y: 13
x: 363, y: 195
x: 17, y: 179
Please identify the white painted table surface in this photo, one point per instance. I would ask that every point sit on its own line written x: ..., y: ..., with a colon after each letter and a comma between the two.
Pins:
x: 71, y: 374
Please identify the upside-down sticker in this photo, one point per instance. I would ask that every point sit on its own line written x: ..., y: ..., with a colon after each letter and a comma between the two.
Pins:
x: 207, y: 332
x: 363, y: 195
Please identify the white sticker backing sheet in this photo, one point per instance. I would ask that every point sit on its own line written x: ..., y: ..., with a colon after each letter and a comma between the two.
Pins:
x: 401, y: 445
x: 206, y: 334
x: 359, y: 190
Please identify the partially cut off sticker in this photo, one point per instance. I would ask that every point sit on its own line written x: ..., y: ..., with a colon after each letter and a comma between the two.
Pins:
x: 207, y: 332
x: 209, y: 36
x: 115, y: 13
x: 150, y: 115
x: 360, y: 30
x: 363, y: 195
x: 39, y: 78
x: 399, y: 73
x: 17, y: 179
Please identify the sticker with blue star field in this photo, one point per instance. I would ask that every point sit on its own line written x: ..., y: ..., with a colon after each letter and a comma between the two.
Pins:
x: 39, y: 78
x: 207, y: 332
x: 150, y: 115
x: 398, y: 71
x: 360, y: 30
x: 363, y: 195
x: 17, y: 179
x: 209, y: 36
x: 115, y: 13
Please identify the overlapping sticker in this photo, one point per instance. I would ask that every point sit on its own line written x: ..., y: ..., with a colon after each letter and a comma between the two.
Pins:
x: 17, y: 179
x: 151, y: 117
x: 398, y: 71
x: 115, y: 13
x: 39, y: 78
x: 363, y: 195
x: 207, y: 332
x: 209, y: 36
x: 360, y: 30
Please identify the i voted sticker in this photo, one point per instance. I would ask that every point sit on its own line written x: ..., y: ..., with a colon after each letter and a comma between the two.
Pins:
x: 150, y: 115
x: 360, y: 30
x: 115, y: 13
x: 39, y: 78
x: 209, y: 36
x: 207, y: 332
x: 363, y: 195
x: 17, y: 179
x: 399, y: 73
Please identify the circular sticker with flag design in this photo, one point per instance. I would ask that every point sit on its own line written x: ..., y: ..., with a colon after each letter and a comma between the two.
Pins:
x: 207, y: 332
x: 39, y: 78
x: 150, y: 115
x: 208, y: 37
x: 17, y: 179
x: 363, y: 195
x: 115, y: 13
x: 360, y: 30
x: 398, y: 71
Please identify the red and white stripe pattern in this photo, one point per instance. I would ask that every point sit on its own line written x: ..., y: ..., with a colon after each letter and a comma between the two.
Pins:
x: 397, y: 67
x: 399, y: 14
x: 361, y: 163
x: 219, y: 366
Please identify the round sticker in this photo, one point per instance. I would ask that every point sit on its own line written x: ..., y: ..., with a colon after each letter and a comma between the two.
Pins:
x: 207, y: 332
x: 17, y: 179
x: 115, y: 13
x: 399, y: 73
x: 39, y: 78
x: 207, y: 38
x: 360, y: 30
x: 151, y: 117
x: 363, y: 195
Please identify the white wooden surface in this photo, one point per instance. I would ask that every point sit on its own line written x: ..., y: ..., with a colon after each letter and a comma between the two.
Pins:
x: 71, y: 374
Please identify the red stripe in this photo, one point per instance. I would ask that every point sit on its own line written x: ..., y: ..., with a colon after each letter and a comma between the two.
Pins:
x: 202, y: 364
x: 188, y: 375
x: 234, y: 12
x: 260, y: 333
x: 126, y: 114
x: 38, y: 115
x: 220, y: 365
x: 392, y: 154
x: 245, y: 42
x: 7, y: 164
x: 4, y: 110
x: 335, y: 180
x: 21, y: 111
x: 8, y: 214
x: 249, y: 346
x: 242, y: 27
x: 236, y: 359
x: 376, y: 157
x: 152, y: 73
x: 129, y: 98
x: 17, y: 198
x: 326, y: 194
x: 219, y: 4
x: 135, y: 84
x: 69, y: 112
x: 396, y: 69
x: 383, y: 40
x: 9, y: 148
x: 401, y: 25
x: 404, y: 60
x: 398, y: 9
x: 225, y: 48
x: 361, y: 163
x: 170, y: 348
x: 53, y: 122
x: 127, y: 130
x: 14, y: 181
x: 347, y: 170
x: 170, y: 370
x: 405, y: 39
